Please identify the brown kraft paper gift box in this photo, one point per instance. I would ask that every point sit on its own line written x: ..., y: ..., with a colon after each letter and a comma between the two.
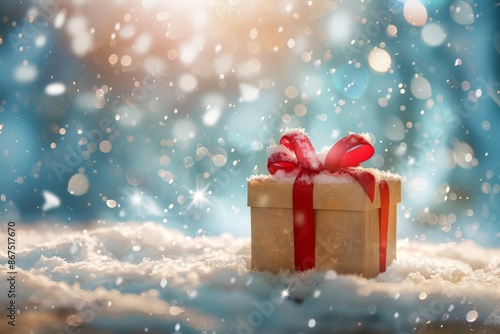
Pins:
x: 346, y: 223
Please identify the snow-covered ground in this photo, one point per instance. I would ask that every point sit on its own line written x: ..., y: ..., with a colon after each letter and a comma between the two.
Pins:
x: 146, y: 278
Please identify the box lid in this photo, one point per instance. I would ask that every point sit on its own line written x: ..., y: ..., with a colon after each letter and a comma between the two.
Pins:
x: 331, y: 192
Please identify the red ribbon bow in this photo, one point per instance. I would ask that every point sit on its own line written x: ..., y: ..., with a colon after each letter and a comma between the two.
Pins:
x: 346, y: 154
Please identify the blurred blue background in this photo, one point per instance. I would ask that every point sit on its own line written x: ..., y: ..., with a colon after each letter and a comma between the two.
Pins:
x: 160, y: 110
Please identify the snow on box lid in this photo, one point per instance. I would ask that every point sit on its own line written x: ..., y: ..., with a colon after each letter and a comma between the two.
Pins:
x: 325, y: 176
x: 331, y: 191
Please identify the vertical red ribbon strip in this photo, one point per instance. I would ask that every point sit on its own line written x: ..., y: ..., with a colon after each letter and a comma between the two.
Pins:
x: 383, y: 224
x: 298, y: 152
x: 303, y: 222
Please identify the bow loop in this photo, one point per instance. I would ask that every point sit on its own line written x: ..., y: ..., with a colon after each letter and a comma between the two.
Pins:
x: 299, y: 143
x: 349, y: 151
x: 296, y: 151
x: 281, y: 158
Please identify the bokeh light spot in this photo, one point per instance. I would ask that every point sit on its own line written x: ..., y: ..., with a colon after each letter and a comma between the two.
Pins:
x: 78, y: 184
x: 462, y: 13
x: 24, y: 74
x: 415, y: 13
x: 340, y: 27
x: 391, y: 30
x: 291, y: 92
x: 55, y: 89
x: 472, y: 316
x: 126, y: 60
x: 433, y: 34
x: 113, y: 59
x: 134, y: 176
x: 421, y: 88
x: 300, y: 110
x: 105, y: 146
x: 379, y: 60
x: 253, y: 65
x: 188, y: 82
x: 211, y: 116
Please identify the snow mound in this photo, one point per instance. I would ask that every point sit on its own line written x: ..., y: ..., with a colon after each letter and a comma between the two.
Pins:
x: 144, y: 277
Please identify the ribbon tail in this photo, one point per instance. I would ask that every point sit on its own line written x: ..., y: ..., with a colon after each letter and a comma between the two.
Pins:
x: 383, y: 224
x: 366, y: 180
x: 303, y: 223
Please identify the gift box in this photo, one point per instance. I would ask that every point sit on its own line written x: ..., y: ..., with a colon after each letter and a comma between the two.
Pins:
x: 322, y: 210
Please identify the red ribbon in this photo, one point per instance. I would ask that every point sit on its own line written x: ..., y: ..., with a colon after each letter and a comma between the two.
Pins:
x: 346, y: 154
x: 383, y: 224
